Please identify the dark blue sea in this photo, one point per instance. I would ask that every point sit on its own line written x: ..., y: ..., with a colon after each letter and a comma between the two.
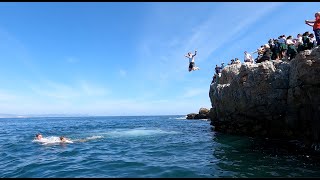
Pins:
x: 136, y: 146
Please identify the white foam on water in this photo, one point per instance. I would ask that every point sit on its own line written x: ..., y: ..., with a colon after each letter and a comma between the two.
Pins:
x: 51, y: 140
x: 94, y: 137
x: 138, y: 132
x: 88, y: 138
x: 115, y: 133
x: 184, y: 117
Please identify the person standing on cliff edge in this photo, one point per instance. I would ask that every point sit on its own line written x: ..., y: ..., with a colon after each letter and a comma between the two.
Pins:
x: 190, y: 56
x: 316, y: 26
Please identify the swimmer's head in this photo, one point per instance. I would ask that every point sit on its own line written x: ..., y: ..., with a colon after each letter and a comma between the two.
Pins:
x: 38, y: 136
x: 63, y: 139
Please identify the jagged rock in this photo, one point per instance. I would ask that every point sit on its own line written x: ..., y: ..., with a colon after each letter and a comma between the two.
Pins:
x: 203, y: 114
x: 269, y: 99
x: 191, y: 115
x: 203, y: 111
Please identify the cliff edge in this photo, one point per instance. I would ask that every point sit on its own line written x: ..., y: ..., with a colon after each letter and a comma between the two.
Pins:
x: 274, y: 99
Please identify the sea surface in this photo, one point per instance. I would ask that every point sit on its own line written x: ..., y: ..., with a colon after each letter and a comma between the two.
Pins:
x: 135, y: 146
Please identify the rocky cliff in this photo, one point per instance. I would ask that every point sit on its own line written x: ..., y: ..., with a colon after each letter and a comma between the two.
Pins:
x: 270, y: 99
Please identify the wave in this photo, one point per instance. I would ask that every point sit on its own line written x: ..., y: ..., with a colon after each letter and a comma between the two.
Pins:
x: 184, y: 117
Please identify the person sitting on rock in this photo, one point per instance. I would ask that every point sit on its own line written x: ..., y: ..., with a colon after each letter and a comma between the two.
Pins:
x: 312, y: 41
x: 266, y: 54
x: 214, y: 78
x: 237, y: 61
x: 248, y: 57
x: 217, y: 69
x: 260, y: 52
x: 222, y: 66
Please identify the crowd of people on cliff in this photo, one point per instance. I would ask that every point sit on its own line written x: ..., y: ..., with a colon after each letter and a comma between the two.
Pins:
x: 282, y: 48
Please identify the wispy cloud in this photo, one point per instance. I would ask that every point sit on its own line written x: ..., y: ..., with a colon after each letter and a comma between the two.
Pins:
x: 209, y: 35
x: 55, y: 90
x: 205, y: 35
x: 123, y: 73
x: 71, y: 60
x: 194, y: 92
x: 60, y: 91
x: 92, y: 90
x: 139, y: 107
x: 15, y: 49
x: 5, y: 96
x: 49, y: 103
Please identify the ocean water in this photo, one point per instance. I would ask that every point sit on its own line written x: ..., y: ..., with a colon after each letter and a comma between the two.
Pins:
x: 135, y: 146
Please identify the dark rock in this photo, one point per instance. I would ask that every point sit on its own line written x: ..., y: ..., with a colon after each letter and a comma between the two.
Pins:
x: 191, y: 115
x: 203, y: 114
x: 274, y: 99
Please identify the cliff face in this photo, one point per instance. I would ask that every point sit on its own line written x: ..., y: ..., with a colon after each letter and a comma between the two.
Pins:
x: 269, y: 99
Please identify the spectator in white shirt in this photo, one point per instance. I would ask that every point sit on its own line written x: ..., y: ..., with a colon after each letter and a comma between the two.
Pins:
x: 248, y: 57
x: 292, y: 51
x: 299, y: 43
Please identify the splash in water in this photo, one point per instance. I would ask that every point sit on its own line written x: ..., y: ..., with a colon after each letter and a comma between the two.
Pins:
x: 183, y: 117
x: 52, y: 140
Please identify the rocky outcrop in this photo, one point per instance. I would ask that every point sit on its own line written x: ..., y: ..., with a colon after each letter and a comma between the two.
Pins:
x: 269, y: 99
x: 203, y: 114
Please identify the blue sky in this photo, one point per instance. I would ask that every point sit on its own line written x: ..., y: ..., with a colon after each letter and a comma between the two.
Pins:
x: 127, y: 58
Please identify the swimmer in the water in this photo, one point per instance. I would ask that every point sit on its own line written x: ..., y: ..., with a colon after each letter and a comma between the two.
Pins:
x: 38, y: 136
x: 63, y: 139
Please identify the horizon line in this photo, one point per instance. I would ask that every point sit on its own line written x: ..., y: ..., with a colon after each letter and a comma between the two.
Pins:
x: 75, y: 115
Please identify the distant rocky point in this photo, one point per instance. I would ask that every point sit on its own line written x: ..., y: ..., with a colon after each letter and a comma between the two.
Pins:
x: 203, y: 114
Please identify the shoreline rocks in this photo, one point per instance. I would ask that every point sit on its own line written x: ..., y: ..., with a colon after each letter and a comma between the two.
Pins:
x: 202, y: 114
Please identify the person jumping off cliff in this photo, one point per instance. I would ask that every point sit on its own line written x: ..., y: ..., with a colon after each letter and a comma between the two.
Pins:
x: 190, y: 56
